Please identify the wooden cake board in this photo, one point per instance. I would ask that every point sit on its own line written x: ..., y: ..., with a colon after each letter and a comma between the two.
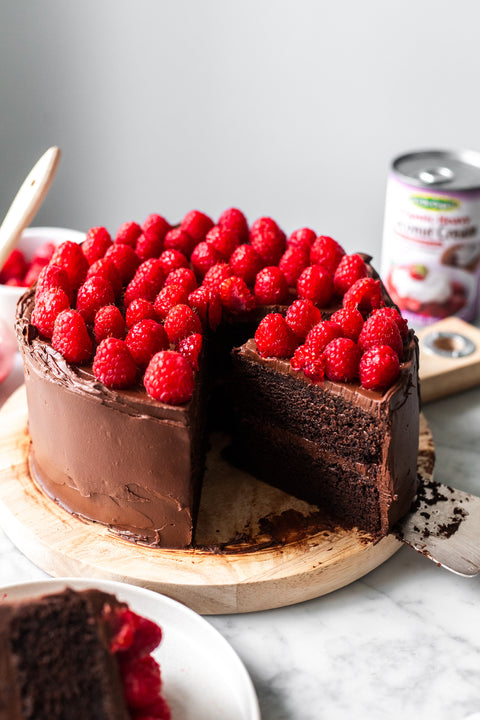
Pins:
x: 277, y: 550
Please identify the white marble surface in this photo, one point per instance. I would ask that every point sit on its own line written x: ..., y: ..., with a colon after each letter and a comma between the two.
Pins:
x: 404, y: 641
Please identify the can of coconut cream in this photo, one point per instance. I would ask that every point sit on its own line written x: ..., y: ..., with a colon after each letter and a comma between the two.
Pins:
x: 431, y: 239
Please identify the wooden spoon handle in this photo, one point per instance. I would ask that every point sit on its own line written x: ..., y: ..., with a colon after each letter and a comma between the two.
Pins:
x: 27, y: 201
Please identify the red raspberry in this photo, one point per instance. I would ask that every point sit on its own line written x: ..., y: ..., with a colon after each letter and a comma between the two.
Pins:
x: 106, y: 269
x: 125, y: 260
x: 235, y: 295
x: 172, y: 260
x: 69, y: 255
x: 322, y: 334
x: 274, y: 338
x: 92, y: 295
x: 139, y: 309
x: 70, y: 337
x: 315, y: 284
x: 191, y: 347
x: 148, y: 245
x: 215, y: 275
x: 246, y: 263
x: 365, y: 294
x: 302, y: 239
x: 167, y: 298
x: 182, y: 276
x: 147, y: 281
x: 203, y: 257
x: 53, y: 276
x: 113, y: 364
x: 47, y: 306
x: 350, y: 320
x: 271, y: 287
x: 169, y: 378
x: 235, y: 220
x: 133, y: 636
x: 15, y: 282
x: 224, y: 240
x: 197, y: 224
x: 180, y: 322
x: 15, y: 267
x: 268, y: 240
x: 305, y: 359
x: 178, y: 239
x: 393, y: 314
x: 207, y: 305
x: 43, y: 254
x: 32, y: 274
x: 156, y: 224
x: 128, y: 233
x: 96, y: 244
x: 159, y: 710
x: 301, y: 316
x: 109, y: 322
x: 144, y: 340
x: 379, y: 368
x: 350, y: 269
x: 380, y: 330
x: 141, y: 681
x: 342, y: 357
x: 292, y: 263
x: 326, y: 252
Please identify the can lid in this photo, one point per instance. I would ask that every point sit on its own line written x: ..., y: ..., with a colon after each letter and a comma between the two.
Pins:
x: 452, y: 170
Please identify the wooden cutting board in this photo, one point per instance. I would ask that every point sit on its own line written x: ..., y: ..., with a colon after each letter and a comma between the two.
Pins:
x: 282, y: 551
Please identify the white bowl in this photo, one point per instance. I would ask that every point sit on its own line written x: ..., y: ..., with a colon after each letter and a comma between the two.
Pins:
x: 30, y: 240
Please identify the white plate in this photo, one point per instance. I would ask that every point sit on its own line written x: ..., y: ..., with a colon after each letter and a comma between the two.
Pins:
x: 203, y: 677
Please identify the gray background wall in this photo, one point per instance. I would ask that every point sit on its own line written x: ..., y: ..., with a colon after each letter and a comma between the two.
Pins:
x: 288, y: 108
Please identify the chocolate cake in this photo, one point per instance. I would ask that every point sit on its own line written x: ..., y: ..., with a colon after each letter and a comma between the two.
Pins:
x: 130, y: 452
x: 62, y: 658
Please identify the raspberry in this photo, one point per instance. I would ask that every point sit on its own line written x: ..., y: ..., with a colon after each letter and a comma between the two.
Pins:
x: 158, y: 710
x: 365, y: 294
x: 156, y: 224
x: 274, y: 338
x: 235, y: 220
x: 172, y: 260
x: 113, y: 364
x: 70, y: 337
x: 350, y: 320
x: 381, y: 330
x: 321, y: 334
x: 106, y: 269
x: 215, y: 275
x: 15, y: 266
x: 141, y: 681
x: 69, y: 255
x: 148, y: 245
x: 96, y: 244
x: 178, y: 239
x: 292, y: 263
x: 342, y: 357
x: 224, y: 240
x: 92, y: 295
x: 147, y: 281
x: 125, y: 260
x: 167, y: 298
x: 47, y: 306
x: 133, y: 636
x: 379, y: 368
x: 350, y: 269
x: 182, y: 276
x: 190, y: 347
x: 246, y: 263
x: 307, y: 360
x: 326, y: 252
x: 43, y: 254
x: 53, y: 276
x: 169, y: 378
x: 207, y: 305
x: 315, y: 284
x: 301, y: 316
x: 128, y: 233
x: 32, y: 274
x: 197, y: 224
x: 393, y: 313
x: 139, y: 309
x: 271, y: 287
x: 180, y: 322
x: 235, y: 295
x: 268, y: 240
x: 109, y: 322
x: 302, y: 239
x: 144, y: 340
x: 203, y: 257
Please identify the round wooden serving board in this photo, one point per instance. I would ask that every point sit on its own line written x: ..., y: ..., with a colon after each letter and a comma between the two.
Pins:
x: 276, y: 550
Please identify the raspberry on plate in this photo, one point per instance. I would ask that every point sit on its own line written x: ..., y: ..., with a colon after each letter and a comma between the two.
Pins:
x: 48, y: 305
x: 197, y: 224
x: 113, y: 364
x: 327, y: 252
x: 246, y: 263
x: 127, y: 234
x: 342, y: 358
x: 109, y: 322
x: 144, y: 340
x: 180, y: 322
x: 70, y: 337
x: 69, y: 255
x: 92, y: 295
x: 274, y: 338
x: 169, y: 378
x: 379, y: 368
x: 96, y: 243
x: 147, y: 281
x: 268, y: 240
x: 271, y: 287
x: 315, y: 284
x: 301, y: 317
x: 350, y: 269
x: 381, y: 330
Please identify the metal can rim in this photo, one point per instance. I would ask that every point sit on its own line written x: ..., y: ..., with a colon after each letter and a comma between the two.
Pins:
x: 470, y: 158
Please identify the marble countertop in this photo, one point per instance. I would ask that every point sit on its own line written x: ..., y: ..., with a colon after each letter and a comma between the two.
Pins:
x: 402, y: 641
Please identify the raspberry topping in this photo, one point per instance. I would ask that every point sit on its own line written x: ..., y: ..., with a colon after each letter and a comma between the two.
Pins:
x: 172, y: 260
x: 235, y: 220
x: 180, y: 322
x: 125, y: 260
x: 96, y: 244
x: 292, y: 263
x: 113, y: 364
x: 235, y: 295
x: 69, y: 255
x: 350, y: 320
x: 381, y: 330
x: 106, y: 269
x: 342, y: 358
x: 215, y: 275
x: 148, y: 245
x: 326, y: 252
x: 169, y: 378
x: 203, y: 257
x: 182, y: 276
x: 109, y: 322
x: 301, y: 316
x: 128, y: 233
x: 393, y: 314
x: 197, y: 224
x: 271, y: 286
x: 156, y: 224
x: 268, y: 240
x: 312, y: 364
x: 167, y: 298
x: 139, y: 309
x: 350, y: 269
x: 224, y: 240
x: 53, y: 276
x: 47, y: 306
x: 178, y: 239
x: 315, y: 284
x: 92, y: 295
x: 365, y: 294
x: 302, y: 239
x: 207, y: 305
x: 322, y: 334
x: 274, y: 338
x: 379, y: 368
x: 147, y: 281
x: 190, y: 347
x: 144, y: 340
x: 70, y: 337
x: 246, y: 263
